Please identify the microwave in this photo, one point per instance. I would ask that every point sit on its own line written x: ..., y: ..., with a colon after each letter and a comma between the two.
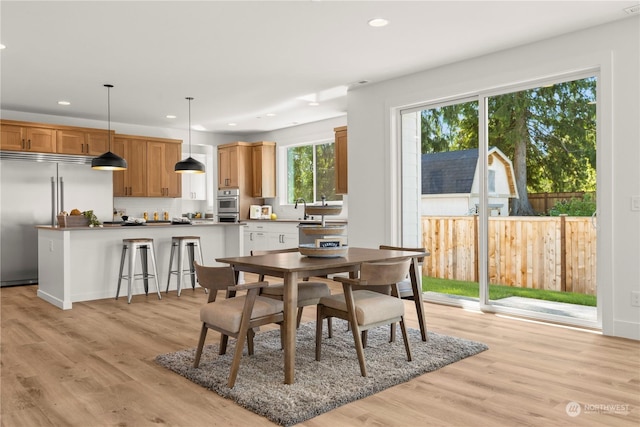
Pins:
x: 229, y: 201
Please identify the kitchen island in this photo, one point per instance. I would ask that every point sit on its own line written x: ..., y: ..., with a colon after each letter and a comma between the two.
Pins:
x: 82, y: 263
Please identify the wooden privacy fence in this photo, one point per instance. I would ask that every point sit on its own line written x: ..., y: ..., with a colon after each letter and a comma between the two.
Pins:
x: 542, y: 202
x: 551, y: 253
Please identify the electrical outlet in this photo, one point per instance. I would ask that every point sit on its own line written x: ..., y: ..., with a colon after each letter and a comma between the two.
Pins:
x: 635, y: 298
x: 635, y: 203
x: 50, y: 245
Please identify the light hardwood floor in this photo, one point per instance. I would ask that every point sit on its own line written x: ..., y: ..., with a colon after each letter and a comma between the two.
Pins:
x: 93, y: 366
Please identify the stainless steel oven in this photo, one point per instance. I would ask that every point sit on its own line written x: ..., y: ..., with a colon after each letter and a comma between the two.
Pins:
x: 229, y: 217
x: 229, y: 201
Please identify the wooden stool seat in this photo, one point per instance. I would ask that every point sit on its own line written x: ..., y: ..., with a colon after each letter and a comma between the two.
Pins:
x: 146, y: 249
x: 182, y: 243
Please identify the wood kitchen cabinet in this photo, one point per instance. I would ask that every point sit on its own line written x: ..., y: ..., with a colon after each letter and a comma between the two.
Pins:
x: 263, y: 160
x: 83, y: 142
x: 231, y: 161
x: 22, y: 137
x: 150, y: 167
x: 133, y: 181
x: 340, y: 149
x: 162, y: 179
x: 234, y: 166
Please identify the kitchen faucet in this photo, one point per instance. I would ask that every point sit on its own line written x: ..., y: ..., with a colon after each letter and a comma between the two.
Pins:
x: 305, y: 216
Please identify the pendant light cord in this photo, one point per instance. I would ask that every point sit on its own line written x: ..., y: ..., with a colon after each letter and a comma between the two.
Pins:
x: 109, y: 113
x: 190, y: 99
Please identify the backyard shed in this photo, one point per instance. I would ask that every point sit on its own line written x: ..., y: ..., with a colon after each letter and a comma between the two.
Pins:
x: 450, y: 182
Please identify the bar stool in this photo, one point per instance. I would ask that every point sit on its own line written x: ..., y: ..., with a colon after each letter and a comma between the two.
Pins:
x: 190, y: 243
x: 134, y: 245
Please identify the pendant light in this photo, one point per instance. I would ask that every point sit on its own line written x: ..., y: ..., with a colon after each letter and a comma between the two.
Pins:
x: 189, y: 165
x: 109, y: 161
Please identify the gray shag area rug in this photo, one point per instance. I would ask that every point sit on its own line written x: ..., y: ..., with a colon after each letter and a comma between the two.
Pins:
x: 319, y: 386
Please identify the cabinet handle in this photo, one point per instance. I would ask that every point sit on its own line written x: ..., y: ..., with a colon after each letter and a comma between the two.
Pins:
x: 251, y: 237
x: 29, y: 148
x: 24, y: 145
x: 87, y: 148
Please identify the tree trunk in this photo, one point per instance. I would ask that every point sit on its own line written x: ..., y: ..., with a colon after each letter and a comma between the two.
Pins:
x: 521, y: 206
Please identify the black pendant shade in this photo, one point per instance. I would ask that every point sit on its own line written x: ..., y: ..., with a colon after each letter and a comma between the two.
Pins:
x: 109, y: 161
x: 189, y: 165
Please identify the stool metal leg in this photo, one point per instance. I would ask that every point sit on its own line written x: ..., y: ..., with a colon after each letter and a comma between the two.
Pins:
x: 145, y: 267
x: 131, y: 275
x: 155, y: 270
x: 173, y: 248
x: 192, y: 269
x: 122, y: 258
x: 180, y: 266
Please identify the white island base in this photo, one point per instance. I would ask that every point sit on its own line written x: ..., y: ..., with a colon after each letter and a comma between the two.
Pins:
x: 82, y: 264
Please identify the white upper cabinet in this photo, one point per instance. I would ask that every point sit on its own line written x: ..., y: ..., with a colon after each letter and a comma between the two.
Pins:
x: 194, y: 185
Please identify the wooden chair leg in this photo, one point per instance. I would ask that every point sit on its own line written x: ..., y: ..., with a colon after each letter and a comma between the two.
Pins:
x: 224, y: 339
x: 250, y: 334
x: 299, y: 318
x: 330, y: 326
x: 359, y: 348
x: 365, y: 335
x: 237, y: 355
x: 203, y: 336
x: 319, y: 331
x: 405, y: 337
x: 392, y: 334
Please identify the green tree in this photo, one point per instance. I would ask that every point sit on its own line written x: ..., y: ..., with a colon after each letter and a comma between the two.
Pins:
x: 548, y: 132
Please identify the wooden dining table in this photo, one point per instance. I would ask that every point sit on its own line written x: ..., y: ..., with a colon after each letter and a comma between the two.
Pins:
x: 293, y: 266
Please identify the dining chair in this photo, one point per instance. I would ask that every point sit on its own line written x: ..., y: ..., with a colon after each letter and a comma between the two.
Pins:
x: 234, y: 316
x: 365, y: 309
x: 405, y: 290
x: 309, y: 293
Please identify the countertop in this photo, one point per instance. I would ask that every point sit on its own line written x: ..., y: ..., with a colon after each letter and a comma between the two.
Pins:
x: 301, y: 221
x: 159, y: 224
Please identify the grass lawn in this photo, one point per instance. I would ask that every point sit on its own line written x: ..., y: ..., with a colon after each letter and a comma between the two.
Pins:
x: 471, y: 289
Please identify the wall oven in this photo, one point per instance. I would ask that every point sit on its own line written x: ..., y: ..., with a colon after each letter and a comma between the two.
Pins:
x: 229, y: 205
x: 229, y: 217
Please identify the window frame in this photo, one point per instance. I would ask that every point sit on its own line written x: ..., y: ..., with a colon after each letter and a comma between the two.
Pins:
x: 284, y: 188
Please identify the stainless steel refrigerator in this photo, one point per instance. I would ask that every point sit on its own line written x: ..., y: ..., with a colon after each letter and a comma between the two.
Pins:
x: 32, y: 193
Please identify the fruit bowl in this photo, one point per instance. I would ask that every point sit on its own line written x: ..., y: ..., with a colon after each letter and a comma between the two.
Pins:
x: 323, y: 209
x: 327, y: 230
x: 312, y: 251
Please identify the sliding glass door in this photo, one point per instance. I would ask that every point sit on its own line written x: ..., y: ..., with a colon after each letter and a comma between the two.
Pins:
x: 507, y: 185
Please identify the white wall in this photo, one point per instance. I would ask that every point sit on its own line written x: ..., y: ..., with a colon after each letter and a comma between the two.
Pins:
x: 613, y: 49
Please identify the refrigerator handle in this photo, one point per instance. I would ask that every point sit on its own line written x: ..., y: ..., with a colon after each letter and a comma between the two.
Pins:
x: 61, y: 194
x: 53, y: 201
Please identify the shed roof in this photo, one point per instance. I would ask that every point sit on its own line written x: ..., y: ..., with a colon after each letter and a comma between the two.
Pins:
x: 449, y: 172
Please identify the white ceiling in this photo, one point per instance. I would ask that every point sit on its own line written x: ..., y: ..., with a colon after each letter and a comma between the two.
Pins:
x: 242, y: 60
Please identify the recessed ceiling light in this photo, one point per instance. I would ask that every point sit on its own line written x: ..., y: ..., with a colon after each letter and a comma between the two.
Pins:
x: 170, y: 116
x: 198, y: 127
x: 64, y: 103
x: 314, y: 104
x: 632, y: 10
x: 2, y: 46
x: 378, y: 22
x: 232, y: 124
x: 270, y: 114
